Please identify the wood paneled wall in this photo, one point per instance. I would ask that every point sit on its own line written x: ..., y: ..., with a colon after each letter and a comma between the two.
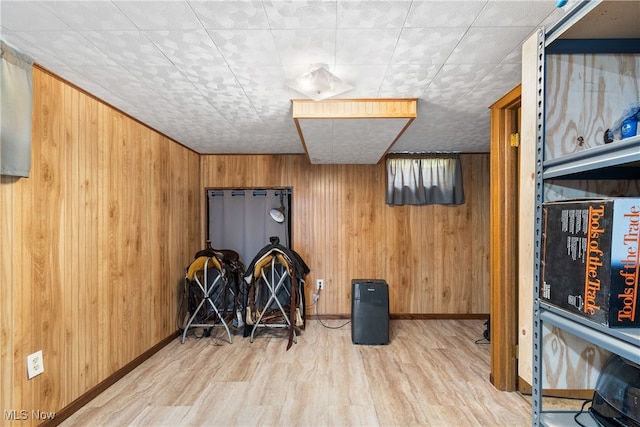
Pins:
x: 95, y: 242
x: 435, y: 258
x: 94, y: 246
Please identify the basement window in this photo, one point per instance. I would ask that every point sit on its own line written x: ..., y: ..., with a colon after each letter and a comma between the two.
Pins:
x: 424, y: 179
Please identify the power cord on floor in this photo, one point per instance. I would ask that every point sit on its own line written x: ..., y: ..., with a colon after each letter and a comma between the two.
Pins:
x: 316, y: 297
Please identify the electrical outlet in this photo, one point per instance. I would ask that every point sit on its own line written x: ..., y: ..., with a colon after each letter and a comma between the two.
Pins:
x: 319, y: 284
x: 35, y: 364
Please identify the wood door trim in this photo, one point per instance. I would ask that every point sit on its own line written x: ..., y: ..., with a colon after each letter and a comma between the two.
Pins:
x: 504, y: 243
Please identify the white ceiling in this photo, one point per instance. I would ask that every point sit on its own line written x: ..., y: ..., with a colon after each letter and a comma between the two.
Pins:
x: 211, y: 74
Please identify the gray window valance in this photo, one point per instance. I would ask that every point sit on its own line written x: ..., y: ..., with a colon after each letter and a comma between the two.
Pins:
x: 16, y: 102
x: 424, y: 179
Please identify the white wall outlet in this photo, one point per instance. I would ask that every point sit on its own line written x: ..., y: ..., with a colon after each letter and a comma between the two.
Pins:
x: 319, y: 284
x: 35, y: 364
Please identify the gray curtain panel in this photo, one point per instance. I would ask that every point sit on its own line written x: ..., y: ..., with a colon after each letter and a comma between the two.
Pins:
x: 16, y: 102
x: 240, y: 220
x: 424, y: 180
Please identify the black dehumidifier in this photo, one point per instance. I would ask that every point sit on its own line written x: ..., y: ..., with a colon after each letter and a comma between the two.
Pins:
x: 369, y: 312
x: 616, y: 399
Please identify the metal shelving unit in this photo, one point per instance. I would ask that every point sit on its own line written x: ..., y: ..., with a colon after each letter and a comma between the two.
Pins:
x: 621, y: 154
x: 620, y: 159
x: 624, y: 342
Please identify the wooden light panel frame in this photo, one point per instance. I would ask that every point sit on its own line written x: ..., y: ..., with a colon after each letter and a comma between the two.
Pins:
x: 347, y: 112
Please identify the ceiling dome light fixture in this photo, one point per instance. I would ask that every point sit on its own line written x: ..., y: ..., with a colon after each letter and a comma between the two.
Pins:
x: 318, y: 83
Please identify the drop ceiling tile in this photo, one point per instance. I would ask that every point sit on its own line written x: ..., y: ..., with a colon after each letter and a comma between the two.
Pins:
x: 272, y: 111
x: 218, y: 85
x: 212, y: 80
x: 242, y: 47
x: 168, y: 83
x: 29, y: 16
x: 58, y: 45
x: 455, y: 81
x: 233, y: 143
x: 230, y: 15
x: 224, y: 93
x: 286, y: 129
x: 477, y: 103
x: 89, y: 15
x: 214, y: 125
x: 434, y: 14
x: 365, y: 46
x: 206, y: 115
x: 131, y: 49
x: 274, y: 121
x: 503, y: 78
x: 301, y: 14
x: 240, y: 114
x: 462, y: 131
x: 162, y: 118
x: 268, y: 97
x: 280, y: 143
x: 260, y: 78
x: 427, y: 45
x: 515, y: 56
x: 187, y: 49
x: 503, y: 13
x: 486, y: 45
x: 159, y: 15
x: 378, y: 14
x: 408, y: 81
x: 365, y: 79
x: 314, y: 46
x: 117, y: 80
x: 237, y: 110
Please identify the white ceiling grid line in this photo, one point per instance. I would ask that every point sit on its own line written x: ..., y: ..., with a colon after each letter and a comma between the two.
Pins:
x: 211, y: 74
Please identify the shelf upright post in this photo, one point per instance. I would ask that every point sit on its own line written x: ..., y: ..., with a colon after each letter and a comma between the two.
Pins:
x: 536, y: 394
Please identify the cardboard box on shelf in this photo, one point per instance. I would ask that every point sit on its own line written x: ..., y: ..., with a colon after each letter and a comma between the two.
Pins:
x: 590, y: 253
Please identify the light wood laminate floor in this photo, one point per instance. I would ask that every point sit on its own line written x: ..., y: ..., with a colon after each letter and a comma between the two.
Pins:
x: 431, y: 374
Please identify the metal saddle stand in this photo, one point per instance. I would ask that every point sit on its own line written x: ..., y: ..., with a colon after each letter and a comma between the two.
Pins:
x: 207, y: 292
x: 274, y: 283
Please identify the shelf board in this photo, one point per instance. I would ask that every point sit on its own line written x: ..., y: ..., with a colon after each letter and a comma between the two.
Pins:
x: 622, y: 341
x: 565, y: 419
x: 618, y: 154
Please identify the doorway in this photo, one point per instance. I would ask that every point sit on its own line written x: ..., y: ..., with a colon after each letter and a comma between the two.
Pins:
x: 504, y: 159
x: 245, y: 219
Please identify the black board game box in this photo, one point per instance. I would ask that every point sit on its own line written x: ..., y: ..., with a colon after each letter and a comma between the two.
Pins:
x: 589, y: 264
